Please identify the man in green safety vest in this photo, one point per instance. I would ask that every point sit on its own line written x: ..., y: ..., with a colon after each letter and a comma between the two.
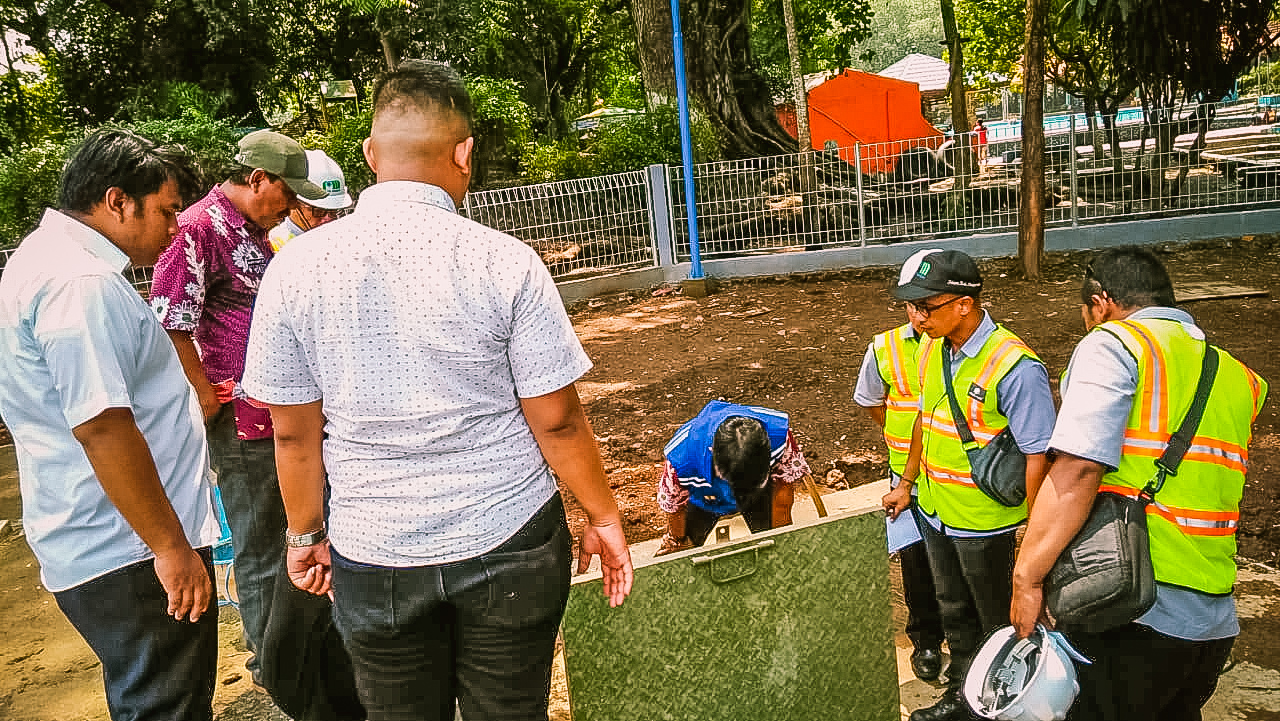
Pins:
x: 1126, y: 390
x: 999, y: 384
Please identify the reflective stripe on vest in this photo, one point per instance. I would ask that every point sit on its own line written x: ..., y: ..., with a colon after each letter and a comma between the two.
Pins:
x: 1192, y: 522
x: 896, y: 360
x: 948, y: 490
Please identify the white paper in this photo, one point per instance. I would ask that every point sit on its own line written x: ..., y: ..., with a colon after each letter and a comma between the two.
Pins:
x: 903, y: 531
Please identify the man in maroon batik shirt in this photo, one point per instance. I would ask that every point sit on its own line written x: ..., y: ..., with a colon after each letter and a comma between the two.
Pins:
x: 203, y: 291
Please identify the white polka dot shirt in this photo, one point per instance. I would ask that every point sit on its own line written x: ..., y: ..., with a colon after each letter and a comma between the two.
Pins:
x: 420, y: 330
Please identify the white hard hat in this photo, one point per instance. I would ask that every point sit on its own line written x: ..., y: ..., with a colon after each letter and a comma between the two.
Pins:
x: 1030, y: 679
x: 324, y: 172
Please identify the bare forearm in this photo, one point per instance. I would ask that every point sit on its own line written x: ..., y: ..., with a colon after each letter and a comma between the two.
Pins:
x: 122, y: 461
x: 299, y: 434
x: 1037, y: 466
x: 194, y: 370
x: 1061, y: 507
x: 568, y: 444
x: 877, y: 414
x: 911, y: 471
x: 190, y: 359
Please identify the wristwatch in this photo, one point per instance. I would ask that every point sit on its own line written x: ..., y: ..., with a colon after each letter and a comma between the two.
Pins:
x: 302, y: 540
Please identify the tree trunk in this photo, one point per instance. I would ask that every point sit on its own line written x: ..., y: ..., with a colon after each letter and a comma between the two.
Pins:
x: 721, y: 73
x: 657, y: 65
x: 1031, y: 210
x: 963, y: 157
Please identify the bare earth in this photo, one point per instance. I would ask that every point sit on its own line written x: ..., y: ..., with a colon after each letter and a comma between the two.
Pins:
x: 792, y: 343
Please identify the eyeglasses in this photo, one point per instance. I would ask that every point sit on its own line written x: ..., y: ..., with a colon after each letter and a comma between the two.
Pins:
x: 926, y: 310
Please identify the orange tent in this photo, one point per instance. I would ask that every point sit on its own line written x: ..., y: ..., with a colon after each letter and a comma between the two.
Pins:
x: 882, y: 114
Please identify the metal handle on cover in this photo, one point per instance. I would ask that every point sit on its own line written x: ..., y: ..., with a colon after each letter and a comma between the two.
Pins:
x: 746, y: 570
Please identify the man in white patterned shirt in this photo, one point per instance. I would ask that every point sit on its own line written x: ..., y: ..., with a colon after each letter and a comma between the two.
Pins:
x: 427, y: 365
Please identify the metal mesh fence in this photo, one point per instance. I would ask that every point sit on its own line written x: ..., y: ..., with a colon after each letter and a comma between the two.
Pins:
x: 1220, y: 161
x: 579, y: 227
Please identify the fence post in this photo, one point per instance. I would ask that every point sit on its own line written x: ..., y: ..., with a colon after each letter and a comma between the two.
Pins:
x: 1071, y: 158
x: 658, y: 185
x: 862, y: 218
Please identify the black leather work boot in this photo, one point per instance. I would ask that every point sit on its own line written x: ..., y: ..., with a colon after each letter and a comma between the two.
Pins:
x: 948, y: 708
x: 926, y: 663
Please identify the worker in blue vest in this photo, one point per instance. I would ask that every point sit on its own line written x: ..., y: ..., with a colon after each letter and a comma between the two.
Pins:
x: 728, y: 459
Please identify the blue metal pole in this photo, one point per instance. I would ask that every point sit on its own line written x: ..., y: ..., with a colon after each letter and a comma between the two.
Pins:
x: 686, y: 141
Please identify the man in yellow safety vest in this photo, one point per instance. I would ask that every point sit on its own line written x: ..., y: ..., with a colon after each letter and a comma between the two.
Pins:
x: 1127, y: 389
x: 999, y: 384
x: 889, y: 389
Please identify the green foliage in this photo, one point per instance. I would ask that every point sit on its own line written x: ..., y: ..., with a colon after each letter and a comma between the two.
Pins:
x: 31, y: 108
x: 500, y: 109
x: 28, y: 185
x: 620, y: 146
x: 211, y: 142
x: 1264, y: 79
x: 552, y: 160
x: 995, y: 30
x: 899, y: 28
x: 826, y: 32
x: 1201, y: 45
x: 345, y: 144
x: 29, y: 176
x: 155, y: 101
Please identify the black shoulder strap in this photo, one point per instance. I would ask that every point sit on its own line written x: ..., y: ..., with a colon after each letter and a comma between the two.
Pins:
x: 957, y: 415
x: 1167, y: 464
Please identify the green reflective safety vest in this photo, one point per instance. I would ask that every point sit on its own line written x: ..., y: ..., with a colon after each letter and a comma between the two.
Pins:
x: 896, y: 360
x: 948, y: 490
x: 1192, y: 522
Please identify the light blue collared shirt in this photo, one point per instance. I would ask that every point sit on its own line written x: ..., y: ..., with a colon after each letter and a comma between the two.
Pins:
x: 75, y: 340
x: 1097, y: 396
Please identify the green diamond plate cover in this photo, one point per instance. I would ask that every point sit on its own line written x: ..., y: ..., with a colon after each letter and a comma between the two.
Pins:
x: 788, y: 625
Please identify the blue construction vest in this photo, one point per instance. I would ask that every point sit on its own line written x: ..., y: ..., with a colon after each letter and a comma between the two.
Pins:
x: 689, y: 452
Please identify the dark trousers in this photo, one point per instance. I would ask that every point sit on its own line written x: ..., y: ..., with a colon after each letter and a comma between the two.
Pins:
x: 973, y: 578
x: 255, y: 514
x: 924, y: 619
x: 1139, y: 674
x: 155, y: 668
x: 481, y: 631
x: 757, y: 512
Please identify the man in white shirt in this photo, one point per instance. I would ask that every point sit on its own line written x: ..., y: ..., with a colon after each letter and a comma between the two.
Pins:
x: 112, y: 459
x: 425, y: 363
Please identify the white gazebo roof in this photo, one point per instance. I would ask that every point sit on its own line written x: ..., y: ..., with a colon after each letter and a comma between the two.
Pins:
x: 928, y: 72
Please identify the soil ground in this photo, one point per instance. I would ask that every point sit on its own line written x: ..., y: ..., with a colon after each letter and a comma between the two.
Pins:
x: 793, y: 343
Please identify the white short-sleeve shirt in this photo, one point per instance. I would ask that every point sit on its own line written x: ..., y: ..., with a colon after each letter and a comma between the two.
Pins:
x: 75, y: 340
x: 421, y: 331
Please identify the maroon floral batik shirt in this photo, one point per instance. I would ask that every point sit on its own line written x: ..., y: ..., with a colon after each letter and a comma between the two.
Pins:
x: 205, y: 284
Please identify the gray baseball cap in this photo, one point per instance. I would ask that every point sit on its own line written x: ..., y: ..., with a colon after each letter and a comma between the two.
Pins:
x: 279, y: 155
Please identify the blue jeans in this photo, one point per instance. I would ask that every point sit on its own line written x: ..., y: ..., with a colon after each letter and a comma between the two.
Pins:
x: 154, y: 667
x: 255, y: 514
x: 480, y: 631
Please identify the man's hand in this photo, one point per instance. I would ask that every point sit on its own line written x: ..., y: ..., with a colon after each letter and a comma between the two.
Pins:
x: 897, y: 500
x: 185, y: 579
x: 310, y: 568
x: 1027, y: 608
x: 608, y: 542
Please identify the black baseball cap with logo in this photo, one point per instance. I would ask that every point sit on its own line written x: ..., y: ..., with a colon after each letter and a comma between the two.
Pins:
x: 943, y: 271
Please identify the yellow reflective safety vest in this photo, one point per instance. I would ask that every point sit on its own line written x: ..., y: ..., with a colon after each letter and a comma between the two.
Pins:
x: 1192, y: 522
x: 948, y: 491
x: 896, y: 359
